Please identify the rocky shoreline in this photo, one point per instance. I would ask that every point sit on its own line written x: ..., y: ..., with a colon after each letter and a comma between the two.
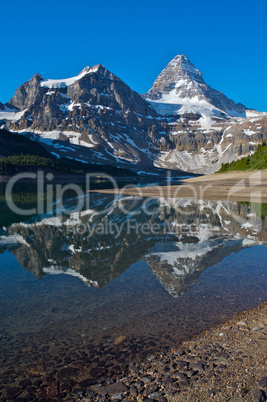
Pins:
x: 225, y: 363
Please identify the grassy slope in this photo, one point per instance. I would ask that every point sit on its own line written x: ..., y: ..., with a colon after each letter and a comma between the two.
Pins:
x: 257, y: 161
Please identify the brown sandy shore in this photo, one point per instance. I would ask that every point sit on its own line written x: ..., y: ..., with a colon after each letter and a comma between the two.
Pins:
x: 249, y: 186
x: 225, y: 363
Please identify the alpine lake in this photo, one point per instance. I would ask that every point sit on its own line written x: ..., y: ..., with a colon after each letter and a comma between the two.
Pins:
x: 119, y: 279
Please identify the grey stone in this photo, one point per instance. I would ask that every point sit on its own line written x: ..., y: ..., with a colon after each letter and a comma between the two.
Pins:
x: 221, y: 355
x: 180, y: 376
x: 116, y: 396
x: 197, y: 366
x: 179, y: 352
x: 154, y: 395
x: 134, y: 391
x: 67, y: 372
x: 147, y: 379
x: 263, y: 383
x: 116, y: 388
x: 25, y: 383
x: 258, y: 395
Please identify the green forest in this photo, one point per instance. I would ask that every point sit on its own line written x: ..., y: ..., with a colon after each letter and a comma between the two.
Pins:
x: 257, y: 161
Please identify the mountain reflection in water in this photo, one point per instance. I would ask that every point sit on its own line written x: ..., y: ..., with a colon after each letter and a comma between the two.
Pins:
x: 191, y: 236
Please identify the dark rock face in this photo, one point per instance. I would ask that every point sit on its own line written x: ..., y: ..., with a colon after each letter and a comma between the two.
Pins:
x: 103, y: 111
x: 95, y: 97
x: 28, y: 93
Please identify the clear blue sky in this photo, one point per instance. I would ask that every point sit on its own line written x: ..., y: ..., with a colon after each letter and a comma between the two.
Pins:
x: 226, y: 41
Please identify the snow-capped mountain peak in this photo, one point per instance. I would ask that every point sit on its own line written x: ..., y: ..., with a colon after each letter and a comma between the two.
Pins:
x: 182, y: 85
x: 178, y: 70
x: 63, y: 83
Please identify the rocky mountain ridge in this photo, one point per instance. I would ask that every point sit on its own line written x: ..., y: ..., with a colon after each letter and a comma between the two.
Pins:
x: 180, y: 124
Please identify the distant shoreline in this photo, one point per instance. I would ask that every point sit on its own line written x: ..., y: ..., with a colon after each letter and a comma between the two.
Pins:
x: 248, y: 186
x: 63, y: 178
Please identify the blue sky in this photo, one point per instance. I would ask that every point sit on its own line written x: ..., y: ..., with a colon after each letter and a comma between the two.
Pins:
x: 226, y: 41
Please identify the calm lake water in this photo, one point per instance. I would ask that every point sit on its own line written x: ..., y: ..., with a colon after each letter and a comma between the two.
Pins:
x: 122, y: 278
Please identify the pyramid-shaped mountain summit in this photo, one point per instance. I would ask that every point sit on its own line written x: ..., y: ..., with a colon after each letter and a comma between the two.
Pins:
x: 180, y: 83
